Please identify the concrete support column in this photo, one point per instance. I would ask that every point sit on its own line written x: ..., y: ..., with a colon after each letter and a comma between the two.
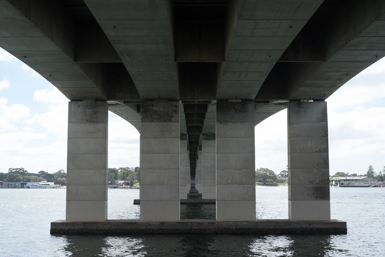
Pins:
x: 159, y: 161
x: 184, y: 170
x: 209, y: 190
x: 198, y: 174
x: 309, y: 196
x: 87, y: 158
x: 235, y: 161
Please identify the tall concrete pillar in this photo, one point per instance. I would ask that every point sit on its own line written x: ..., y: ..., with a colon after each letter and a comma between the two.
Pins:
x: 198, y: 174
x: 209, y: 190
x: 235, y: 161
x: 87, y: 160
x: 159, y: 161
x: 184, y: 169
x: 309, y: 196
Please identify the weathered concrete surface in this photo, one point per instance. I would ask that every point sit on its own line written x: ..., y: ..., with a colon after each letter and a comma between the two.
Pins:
x: 309, y: 196
x: 209, y: 190
x: 235, y: 161
x: 87, y: 161
x: 141, y: 32
x: 141, y: 50
x: 184, y: 170
x: 258, y: 227
x: 198, y: 172
x: 159, y: 161
x: 258, y: 33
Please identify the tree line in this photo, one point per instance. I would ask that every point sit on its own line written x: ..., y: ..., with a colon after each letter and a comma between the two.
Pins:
x: 370, y: 174
x: 129, y: 175
x: 265, y: 176
x: 22, y: 175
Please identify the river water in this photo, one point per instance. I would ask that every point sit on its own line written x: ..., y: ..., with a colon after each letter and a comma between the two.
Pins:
x: 25, y: 216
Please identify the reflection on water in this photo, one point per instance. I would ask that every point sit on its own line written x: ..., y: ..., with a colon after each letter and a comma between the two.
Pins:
x: 200, y: 245
x: 23, y: 234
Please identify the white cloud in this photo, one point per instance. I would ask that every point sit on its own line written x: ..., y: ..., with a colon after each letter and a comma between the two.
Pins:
x: 32, y: 72
x: 123, y: 143
x: 33, y: 151
x: 38, y: 143
x: 5, y: 56
x: 54, y: 96
x: 271, y: 143
x: 55, y: 120
x: 11, y: 114
x: 4, y: 84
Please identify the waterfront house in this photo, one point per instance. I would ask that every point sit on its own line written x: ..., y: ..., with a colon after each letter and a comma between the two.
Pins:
x: 14, y: 184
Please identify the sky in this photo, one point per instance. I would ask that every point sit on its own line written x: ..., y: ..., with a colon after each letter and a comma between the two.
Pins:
x: 34, y: 116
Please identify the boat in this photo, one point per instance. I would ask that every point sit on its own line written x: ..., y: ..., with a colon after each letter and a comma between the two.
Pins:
x: 356, y: 182
x: 42, y: 184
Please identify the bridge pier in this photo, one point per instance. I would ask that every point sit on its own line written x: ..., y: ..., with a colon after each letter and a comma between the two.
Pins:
x: 87, y: 176
x: 198, y: 173
x: 184, y: 170
x: 309, y: 196
x: 235, y: 161
x: 159, y: 161
x: 209, y: 190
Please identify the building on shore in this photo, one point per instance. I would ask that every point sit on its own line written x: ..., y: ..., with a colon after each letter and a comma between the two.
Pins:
x: 13, y: 184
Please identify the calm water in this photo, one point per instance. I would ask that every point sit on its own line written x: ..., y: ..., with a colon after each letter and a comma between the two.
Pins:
x: 25, y: 217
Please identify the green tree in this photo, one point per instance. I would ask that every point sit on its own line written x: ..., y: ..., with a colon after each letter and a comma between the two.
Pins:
x: 61, y: 181
x: 124, y: 172
x: 137, y: 171
x: 49, y: 177
x: 17, y: 170
x: 60, y: 177
x: 3, y: 176
x: 42, y: 173
x: 370, y: 173
x: 265, y: 175
x: 341, y: 174
x: 284, y: 173
x: 13, y: 177
x: 32, y: 178
x: 113, y: 171
x: 380, y: 176
x: 111, y: 179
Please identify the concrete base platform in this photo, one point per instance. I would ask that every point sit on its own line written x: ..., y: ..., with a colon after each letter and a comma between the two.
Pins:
x: 187, y: 201
x: 194, y: 195
x: 258, y: 227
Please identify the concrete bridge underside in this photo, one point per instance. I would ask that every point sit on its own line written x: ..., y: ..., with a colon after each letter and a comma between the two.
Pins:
x: 194, y: 78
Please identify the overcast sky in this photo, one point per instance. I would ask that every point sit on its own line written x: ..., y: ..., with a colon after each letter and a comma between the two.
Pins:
x: 33, y: 125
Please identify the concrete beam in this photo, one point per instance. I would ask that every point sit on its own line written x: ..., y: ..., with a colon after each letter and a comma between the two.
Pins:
x: 42, y: 35
x: 141, y: 34
x: 351, y: 37
x: 258, y: 33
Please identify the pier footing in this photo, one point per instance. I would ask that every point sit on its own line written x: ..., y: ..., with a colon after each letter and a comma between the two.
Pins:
x: 258, y: 227
x: 187, y: 201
